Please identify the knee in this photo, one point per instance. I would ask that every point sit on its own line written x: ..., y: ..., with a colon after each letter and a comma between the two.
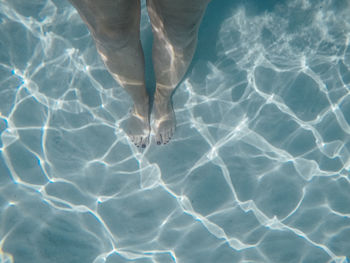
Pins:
x: 179, y: 36
x: 180, y: 27
x: 182, y: 36
x: 116, y: 35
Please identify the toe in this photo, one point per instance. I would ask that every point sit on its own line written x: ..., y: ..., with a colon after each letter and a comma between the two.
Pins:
x: 165, y: 138
x: 144, y: 142
x: 158, y: 138
x: 138, y: 141
x: 169, y: 135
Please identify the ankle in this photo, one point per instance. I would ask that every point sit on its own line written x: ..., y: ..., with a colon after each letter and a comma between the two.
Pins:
x: 141, y: 101
x: 141, y: 107
x: 162, y: 97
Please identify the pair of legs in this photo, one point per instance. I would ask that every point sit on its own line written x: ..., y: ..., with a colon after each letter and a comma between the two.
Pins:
x: 115, y: 27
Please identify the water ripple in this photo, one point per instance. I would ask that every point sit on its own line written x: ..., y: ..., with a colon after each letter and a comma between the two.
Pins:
x: 258, y: 170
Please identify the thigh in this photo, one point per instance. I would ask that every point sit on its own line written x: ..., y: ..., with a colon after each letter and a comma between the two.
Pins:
x: 109, y: 19
x: 176, y: 19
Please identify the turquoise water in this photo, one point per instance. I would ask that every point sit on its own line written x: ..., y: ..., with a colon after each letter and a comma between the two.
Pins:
x: 258, y: 170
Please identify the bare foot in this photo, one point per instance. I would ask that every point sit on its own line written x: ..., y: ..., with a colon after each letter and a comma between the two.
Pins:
x: 137, y: 125
x: 164, y: 120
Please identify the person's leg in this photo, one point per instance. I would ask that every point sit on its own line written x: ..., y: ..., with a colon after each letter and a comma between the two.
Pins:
x: 175, y: 25
x: 115, y: 27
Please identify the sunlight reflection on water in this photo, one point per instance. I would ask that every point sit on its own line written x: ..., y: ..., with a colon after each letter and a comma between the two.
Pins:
x: 258, y: 170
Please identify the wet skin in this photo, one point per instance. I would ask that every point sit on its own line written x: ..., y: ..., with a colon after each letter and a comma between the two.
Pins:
x: 115, y: 27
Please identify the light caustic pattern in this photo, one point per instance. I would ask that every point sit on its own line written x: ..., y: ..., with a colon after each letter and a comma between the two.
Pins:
x: 258, y: 170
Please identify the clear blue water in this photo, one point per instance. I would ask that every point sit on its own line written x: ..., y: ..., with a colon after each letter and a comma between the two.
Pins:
x: 258, y: 170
